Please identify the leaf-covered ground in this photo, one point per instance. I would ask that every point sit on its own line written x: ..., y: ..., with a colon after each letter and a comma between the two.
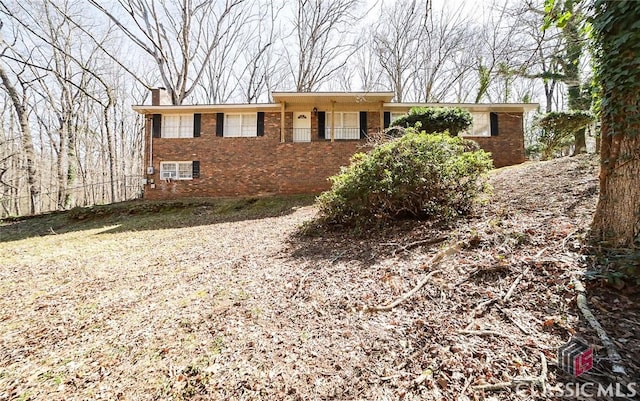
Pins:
x: 190, y: 304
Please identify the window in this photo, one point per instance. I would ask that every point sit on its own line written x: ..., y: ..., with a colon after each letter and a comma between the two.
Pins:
x: 240, y: 125
x: 176, y: 170
x: 347, y: 125
x: 481, y: 125
x: 396, y: 115
x: 177, y: 125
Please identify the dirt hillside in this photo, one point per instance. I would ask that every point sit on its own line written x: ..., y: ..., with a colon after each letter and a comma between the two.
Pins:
x: 192, y: 305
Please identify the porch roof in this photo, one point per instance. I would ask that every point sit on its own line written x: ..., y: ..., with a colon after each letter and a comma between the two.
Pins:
x: 328, y: 97
x: 497, y: 107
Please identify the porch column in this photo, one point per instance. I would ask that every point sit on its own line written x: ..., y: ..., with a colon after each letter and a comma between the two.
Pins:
x: 282, y: 122
x: 333, y: 120
x: 381, y: 116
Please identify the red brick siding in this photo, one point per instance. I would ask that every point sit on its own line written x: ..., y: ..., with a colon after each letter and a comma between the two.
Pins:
x: 263, y: 165
x: 248, y: 166
x: 507, y: 148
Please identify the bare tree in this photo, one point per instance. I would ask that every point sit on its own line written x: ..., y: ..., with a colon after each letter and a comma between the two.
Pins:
x: 18, y: 100
x: 396, y: 41
x: 501, y: 47
x: 320, y: 28
x: 442, y: 60
x: 262, y: 63
x: 79, y: 93
x: 181, y: 36
x: 367, y: 67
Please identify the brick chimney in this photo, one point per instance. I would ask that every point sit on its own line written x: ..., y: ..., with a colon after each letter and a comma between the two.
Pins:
x: 160, y: 97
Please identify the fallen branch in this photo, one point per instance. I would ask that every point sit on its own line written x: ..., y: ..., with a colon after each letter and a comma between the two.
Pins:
x: 519, y: 278
x: 538, y: 380
x: 515, y: 284
x: 434, y: 261
x: 512, y: 320
x: 414, y: 244
x: 612, y: 352
x: 484, y: 333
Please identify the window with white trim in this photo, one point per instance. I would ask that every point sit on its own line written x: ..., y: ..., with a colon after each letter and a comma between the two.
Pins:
x: 240, y: 125
x: 396, y: 115
x: 177, y: 125
x: 176, y: 170
x: 481, y: 125
x: 347, y: 125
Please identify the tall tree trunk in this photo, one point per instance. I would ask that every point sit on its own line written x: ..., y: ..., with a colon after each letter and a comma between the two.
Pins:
x: 62, y: 165
x: 72, y: 170
x: 580, y: 142
x: 110, y: 150
x: 575, y: 99
x: 617, y: 217
x: 27, y: 143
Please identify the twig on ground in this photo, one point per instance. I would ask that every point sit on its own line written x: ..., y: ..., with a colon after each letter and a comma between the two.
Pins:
x: 338, y: 256
x: 467, y: 382
x: 519, y: 278
x: 482, y: 306
x: 538, y: 380
x: 434, y: 261
x: 300, y: 282
x: 414, y: 244
x: 566, y: 238
x: 512, y: 320
x: 515, y: 284
x: 484, y: 333
x: 612, y: 352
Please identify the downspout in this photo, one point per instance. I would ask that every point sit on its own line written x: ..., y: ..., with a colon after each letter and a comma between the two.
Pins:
x: 282, y: 122
x: 150, y: 143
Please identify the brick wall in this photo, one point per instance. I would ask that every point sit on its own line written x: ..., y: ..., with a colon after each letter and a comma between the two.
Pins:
x: 248, y: 166
x: 264, y: 166
x: 507, y: 148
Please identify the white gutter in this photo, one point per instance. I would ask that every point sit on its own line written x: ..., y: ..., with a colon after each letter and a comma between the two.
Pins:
x: 202, y: 108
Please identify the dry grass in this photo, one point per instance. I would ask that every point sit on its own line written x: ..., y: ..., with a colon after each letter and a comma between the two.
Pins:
x: 204, y: 301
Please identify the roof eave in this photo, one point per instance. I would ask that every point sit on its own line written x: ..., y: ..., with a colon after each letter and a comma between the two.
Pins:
x: 202, y: 108
x: 478, y: 106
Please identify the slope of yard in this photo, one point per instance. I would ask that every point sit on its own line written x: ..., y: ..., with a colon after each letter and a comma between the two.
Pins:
x: 202, y: 301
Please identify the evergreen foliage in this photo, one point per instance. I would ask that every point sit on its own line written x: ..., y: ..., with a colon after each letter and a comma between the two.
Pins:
x: 419, y: 175
x: 433, y: 120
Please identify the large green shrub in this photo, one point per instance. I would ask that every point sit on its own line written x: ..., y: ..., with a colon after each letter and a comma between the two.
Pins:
x: 558, y: 129
x: 433, y: 120
x: 419, y: 175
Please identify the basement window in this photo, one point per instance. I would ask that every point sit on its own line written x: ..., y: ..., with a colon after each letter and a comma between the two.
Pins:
x: 176, y: 170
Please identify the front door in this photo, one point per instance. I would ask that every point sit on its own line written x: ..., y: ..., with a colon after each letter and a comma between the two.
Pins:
x: 301, y: 127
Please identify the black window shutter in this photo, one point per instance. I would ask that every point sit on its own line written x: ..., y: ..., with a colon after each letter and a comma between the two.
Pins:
x: 321, y: 124
x: 363, y: 124
x: 157, y: 126
x: 260, y: 127
x: 387, y: 119
x: 493, y: 120
x: 220, y: 124
x: 195, y: 169
x: 197, y: 120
